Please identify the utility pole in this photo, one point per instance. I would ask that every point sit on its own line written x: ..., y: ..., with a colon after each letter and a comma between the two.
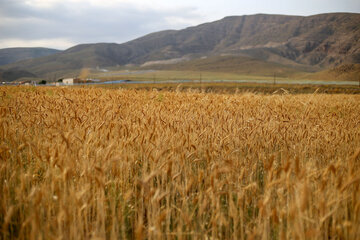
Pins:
x: 154, y: 77
x: 200, y: 78
x: 274, y: 78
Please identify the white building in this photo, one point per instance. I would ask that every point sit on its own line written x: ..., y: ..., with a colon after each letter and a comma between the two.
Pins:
x: 68, y: 81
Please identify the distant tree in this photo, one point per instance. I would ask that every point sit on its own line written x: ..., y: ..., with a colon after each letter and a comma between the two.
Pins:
x: 42, y: 82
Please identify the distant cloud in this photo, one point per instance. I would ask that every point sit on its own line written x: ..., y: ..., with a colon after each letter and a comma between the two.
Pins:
x: 64, y: 23
x: 56, y: 43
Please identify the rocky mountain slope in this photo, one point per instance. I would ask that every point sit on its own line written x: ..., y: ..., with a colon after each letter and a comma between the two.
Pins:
x: 309, y: 43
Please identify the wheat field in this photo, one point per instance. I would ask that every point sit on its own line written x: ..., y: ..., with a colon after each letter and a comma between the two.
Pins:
x: 134, y: 164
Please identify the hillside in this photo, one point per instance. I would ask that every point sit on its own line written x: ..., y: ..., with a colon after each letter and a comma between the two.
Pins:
x: 310, y: 44
x: 11, y: 55
x: 12, y: 74
x: 230, y: 64
x: 349, y: 72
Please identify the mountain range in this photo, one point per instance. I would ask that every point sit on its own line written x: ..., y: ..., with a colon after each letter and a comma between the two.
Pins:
x: 308, y: 44
x: 11, y: 55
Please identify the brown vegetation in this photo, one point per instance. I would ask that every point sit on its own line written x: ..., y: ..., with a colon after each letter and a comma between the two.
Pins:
x: 95, y: 163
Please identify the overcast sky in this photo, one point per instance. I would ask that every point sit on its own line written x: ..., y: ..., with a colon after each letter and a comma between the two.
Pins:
x: 62, y: 24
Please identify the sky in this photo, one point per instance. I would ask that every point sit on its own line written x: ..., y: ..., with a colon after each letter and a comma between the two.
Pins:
x: 61, y: 24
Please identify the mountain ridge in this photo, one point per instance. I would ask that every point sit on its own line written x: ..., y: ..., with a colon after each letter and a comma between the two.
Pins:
x: 313, y: 42
x: 12, y: 55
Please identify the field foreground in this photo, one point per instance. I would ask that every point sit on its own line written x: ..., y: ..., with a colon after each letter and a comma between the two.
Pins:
x: 123, y: 164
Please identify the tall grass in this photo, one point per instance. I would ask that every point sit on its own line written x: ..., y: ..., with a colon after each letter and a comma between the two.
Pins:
x: 130, y: 164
